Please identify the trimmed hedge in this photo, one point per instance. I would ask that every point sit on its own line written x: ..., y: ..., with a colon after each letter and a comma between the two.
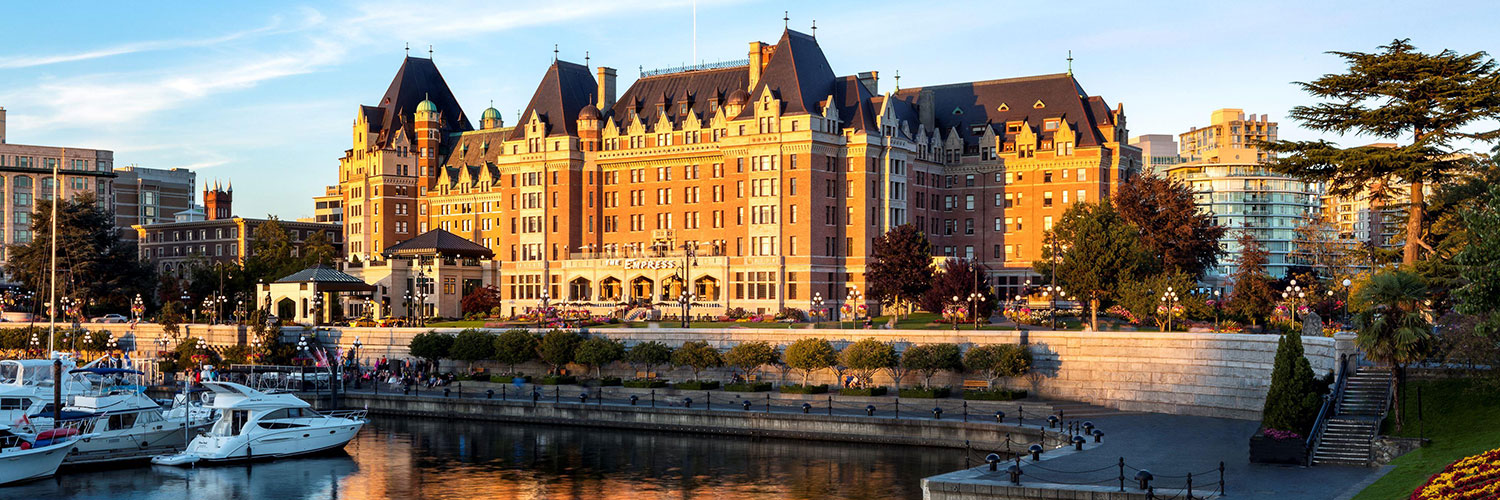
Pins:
x: 640, y: 383
x: 803, y: 389
x: 925, y: 392
x: 748, y: 387
x: 994, y: 395
x: 608, y: 381
x: 868, y: 391
x: 480, y: 377
x: 697, y: 385
x: 558, y: 380
x: 506, y: 379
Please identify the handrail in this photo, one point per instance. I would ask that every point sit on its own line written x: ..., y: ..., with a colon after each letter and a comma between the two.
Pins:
x: 1331, y: 404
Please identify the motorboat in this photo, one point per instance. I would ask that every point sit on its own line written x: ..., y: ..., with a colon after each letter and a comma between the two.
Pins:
x: 123, y: 424
x: 254, y: 425
x: 24, y: 457
x: 26, y: 387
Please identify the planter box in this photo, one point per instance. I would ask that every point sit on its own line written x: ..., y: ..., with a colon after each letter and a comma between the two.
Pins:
x: 698, y: 385
x: 644, y: 384
x: 994, y: 395
x: 804, y: 389
x: 748, y: 387
x: 1265, y: 450
x: 870, y: 391
x: 929, y: 393
x: 558, y: 380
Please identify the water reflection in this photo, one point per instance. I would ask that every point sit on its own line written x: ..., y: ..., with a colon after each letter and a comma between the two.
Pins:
x: 443, y: 459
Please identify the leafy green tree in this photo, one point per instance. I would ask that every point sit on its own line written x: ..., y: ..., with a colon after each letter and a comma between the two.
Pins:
x: 1292, y: 401
x: 998, y: 360
x: 928, y: 359
x: 472, y: 345
x: 1395, y: 94
x: 94, y: 265
x: 317, y: 250
x: 597, y: 352
x: 271, y: 258
x: 900, y: 268
x: 1252, y: 297
x: 648, y: 355
x: 697, y: 355
x: 431, y: 346
x: 1184, y: 237
x: 557, y: 348
x: 810, y: 355
x: 867, y: 356
x: 169, y: 317
x: 1479, y: 263
x: 514, y: 347
x: 1392, y: 323
x: 959, y: 279
x: 750, y: 357
x: 1142, y: 296
x: 1100, y: 251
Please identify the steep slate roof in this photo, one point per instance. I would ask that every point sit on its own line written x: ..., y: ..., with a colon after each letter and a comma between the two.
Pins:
x: 476, y: 152
x: 417, y: 79
x: 565, y: 89
x: 798, y: 73
x: 856, y: 108
x: 438, y: 241
x: 979, y: 103
x: 699, y: 88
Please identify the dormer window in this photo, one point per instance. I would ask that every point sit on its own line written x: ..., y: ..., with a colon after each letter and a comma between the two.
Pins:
x: 684, y: 109
x: 1049, y: 125
x: 1012, y: 128
x: 713, y: 107
x: 977, y: 130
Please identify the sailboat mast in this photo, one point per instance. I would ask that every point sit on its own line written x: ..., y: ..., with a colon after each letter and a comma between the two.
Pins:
x: 52, y: 317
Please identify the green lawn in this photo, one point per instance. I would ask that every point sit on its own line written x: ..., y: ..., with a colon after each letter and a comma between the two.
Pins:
x: 1461, y: 417
x: 915, y: 321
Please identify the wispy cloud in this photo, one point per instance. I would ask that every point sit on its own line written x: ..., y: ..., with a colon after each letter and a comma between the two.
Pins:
x: 132, y: 48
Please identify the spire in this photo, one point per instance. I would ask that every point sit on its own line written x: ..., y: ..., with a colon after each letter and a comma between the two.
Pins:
x: 1070, y: 62
x: 585, y: 58
x: 554, y: 52
x: 429, y: 52
x: 786, y: 20
x: 815, y: 28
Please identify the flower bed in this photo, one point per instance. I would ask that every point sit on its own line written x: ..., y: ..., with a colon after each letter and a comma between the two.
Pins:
x: 1472, y: 478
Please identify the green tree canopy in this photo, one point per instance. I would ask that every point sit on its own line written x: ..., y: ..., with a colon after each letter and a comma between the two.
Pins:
x: 998, y: 360
x: 472, y: 345
x: 900, y: 267
x: 94, y: 265
x: 514, y: 347
x: 1392, y: 323
x: 751, y: 357
x: 810, y: 355
x: 1479, y: 262
x: 867, y: 356
x: 431, y: 346
x: 597, y: 352
x: 649, y: 355
x: 697, y: 355
x: 1252, y: 297
x: 557, y: 348
x: 1397, y: 94
x: 928, y: 359
x: 1100, y: 251
x: 1183, y: 237
x: 1292, y: 401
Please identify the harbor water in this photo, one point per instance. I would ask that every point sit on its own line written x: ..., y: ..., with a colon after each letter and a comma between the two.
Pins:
x: 435, y: 459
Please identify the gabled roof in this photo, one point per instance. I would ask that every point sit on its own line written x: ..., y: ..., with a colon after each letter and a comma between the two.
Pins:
x: 475, y: 148
x: 798, y: 73
x: 854, y: 102
x: 698, y: 88
x: 418, y: 80
x: 565, y: 89
x: 435, y: 242
x: 962, y: 105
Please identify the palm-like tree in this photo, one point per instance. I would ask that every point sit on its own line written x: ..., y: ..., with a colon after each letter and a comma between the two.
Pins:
x: 1393, y: 324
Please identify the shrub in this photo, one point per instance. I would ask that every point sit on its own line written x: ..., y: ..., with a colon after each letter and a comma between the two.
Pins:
x: 472, y: 345
x: 750, y: 357
x: 748, y: 387
x: 803, y: 389
x: 928, y: 359
x: 1292, y: 401
x: 864, y: 391
x: 557, y: 380
x: 515, y: 347
x: 481, y: 377
x: 865, y: 357
x: 506, y: 379
x: 697, y: 385
x: 608, y: 381
x: 641, y: 383
x: 998, y: 360
x: 557, y: 347
x: 597, y: 352
x: 994, y: 395
x: 648, y: 355
x: 737, y: 313
x: 430, y: 346
x: 810, y: 355
x: 925, y: 392
x: 698, y: 356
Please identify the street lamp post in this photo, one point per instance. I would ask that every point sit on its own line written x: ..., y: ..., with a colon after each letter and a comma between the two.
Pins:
x: 817, y: 304
x: 686, y: 301
x: 974, y: 299
x: 853, y: 301
x: 354, y: 354
x: 1217, y: 306
x: 317, y: 303
x: 1169, y: 300
x: 953, y: 309
x: 1293, y: 295
x: 1346, y: 284
x: 541, y: 309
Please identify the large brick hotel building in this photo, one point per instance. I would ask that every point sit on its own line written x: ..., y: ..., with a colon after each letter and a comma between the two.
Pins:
x: 775, y: 173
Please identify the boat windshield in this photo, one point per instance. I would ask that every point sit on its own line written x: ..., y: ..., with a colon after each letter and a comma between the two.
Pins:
x: 231, y: 423
x: 9, y: 373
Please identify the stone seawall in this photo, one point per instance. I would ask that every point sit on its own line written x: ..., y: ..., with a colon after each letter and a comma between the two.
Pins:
x: 1206, y: 374
x: 883, y: 430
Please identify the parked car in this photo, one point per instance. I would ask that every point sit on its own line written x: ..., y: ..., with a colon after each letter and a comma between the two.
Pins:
x: 111, y: 318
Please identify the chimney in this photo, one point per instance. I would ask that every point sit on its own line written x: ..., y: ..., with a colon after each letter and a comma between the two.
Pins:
x: 871, y: 80
x: 606, y: 89
x: 925, y: 110
x: 756, y: 63
x: 2, y: 125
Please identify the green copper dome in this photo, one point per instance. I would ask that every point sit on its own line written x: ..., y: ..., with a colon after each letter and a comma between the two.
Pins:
x: 427, y: 105
x: 490, y: 113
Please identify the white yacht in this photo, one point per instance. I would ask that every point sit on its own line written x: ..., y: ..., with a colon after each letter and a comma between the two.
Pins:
x: 26, y: 387
x: 254, y: 425
x: 24, y: 458
x: 124, y: 424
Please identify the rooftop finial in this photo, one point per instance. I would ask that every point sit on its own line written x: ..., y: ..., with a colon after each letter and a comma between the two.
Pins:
x: 408, y: 49
x: 429, y: 51
x: 1070, y: 62
x: 585, y: 58
x: 786, y: 19
x: 815, y: 28
x: 898, y: 79
x: 554, y: 52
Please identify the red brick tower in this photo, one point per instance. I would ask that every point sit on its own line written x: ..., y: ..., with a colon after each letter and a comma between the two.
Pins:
x: 216, y: 202
x: 428, y: 130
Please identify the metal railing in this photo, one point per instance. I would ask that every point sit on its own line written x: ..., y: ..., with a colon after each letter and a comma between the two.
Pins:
x: 1330, y: 408
x: 694, y: 67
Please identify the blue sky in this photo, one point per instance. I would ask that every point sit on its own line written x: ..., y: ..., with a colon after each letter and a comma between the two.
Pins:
x: 263, y: 93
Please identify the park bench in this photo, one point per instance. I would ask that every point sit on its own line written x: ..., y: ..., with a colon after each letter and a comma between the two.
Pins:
x: 976, y: 385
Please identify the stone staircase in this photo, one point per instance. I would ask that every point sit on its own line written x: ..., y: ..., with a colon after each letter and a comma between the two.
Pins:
x: 1346, y: 441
